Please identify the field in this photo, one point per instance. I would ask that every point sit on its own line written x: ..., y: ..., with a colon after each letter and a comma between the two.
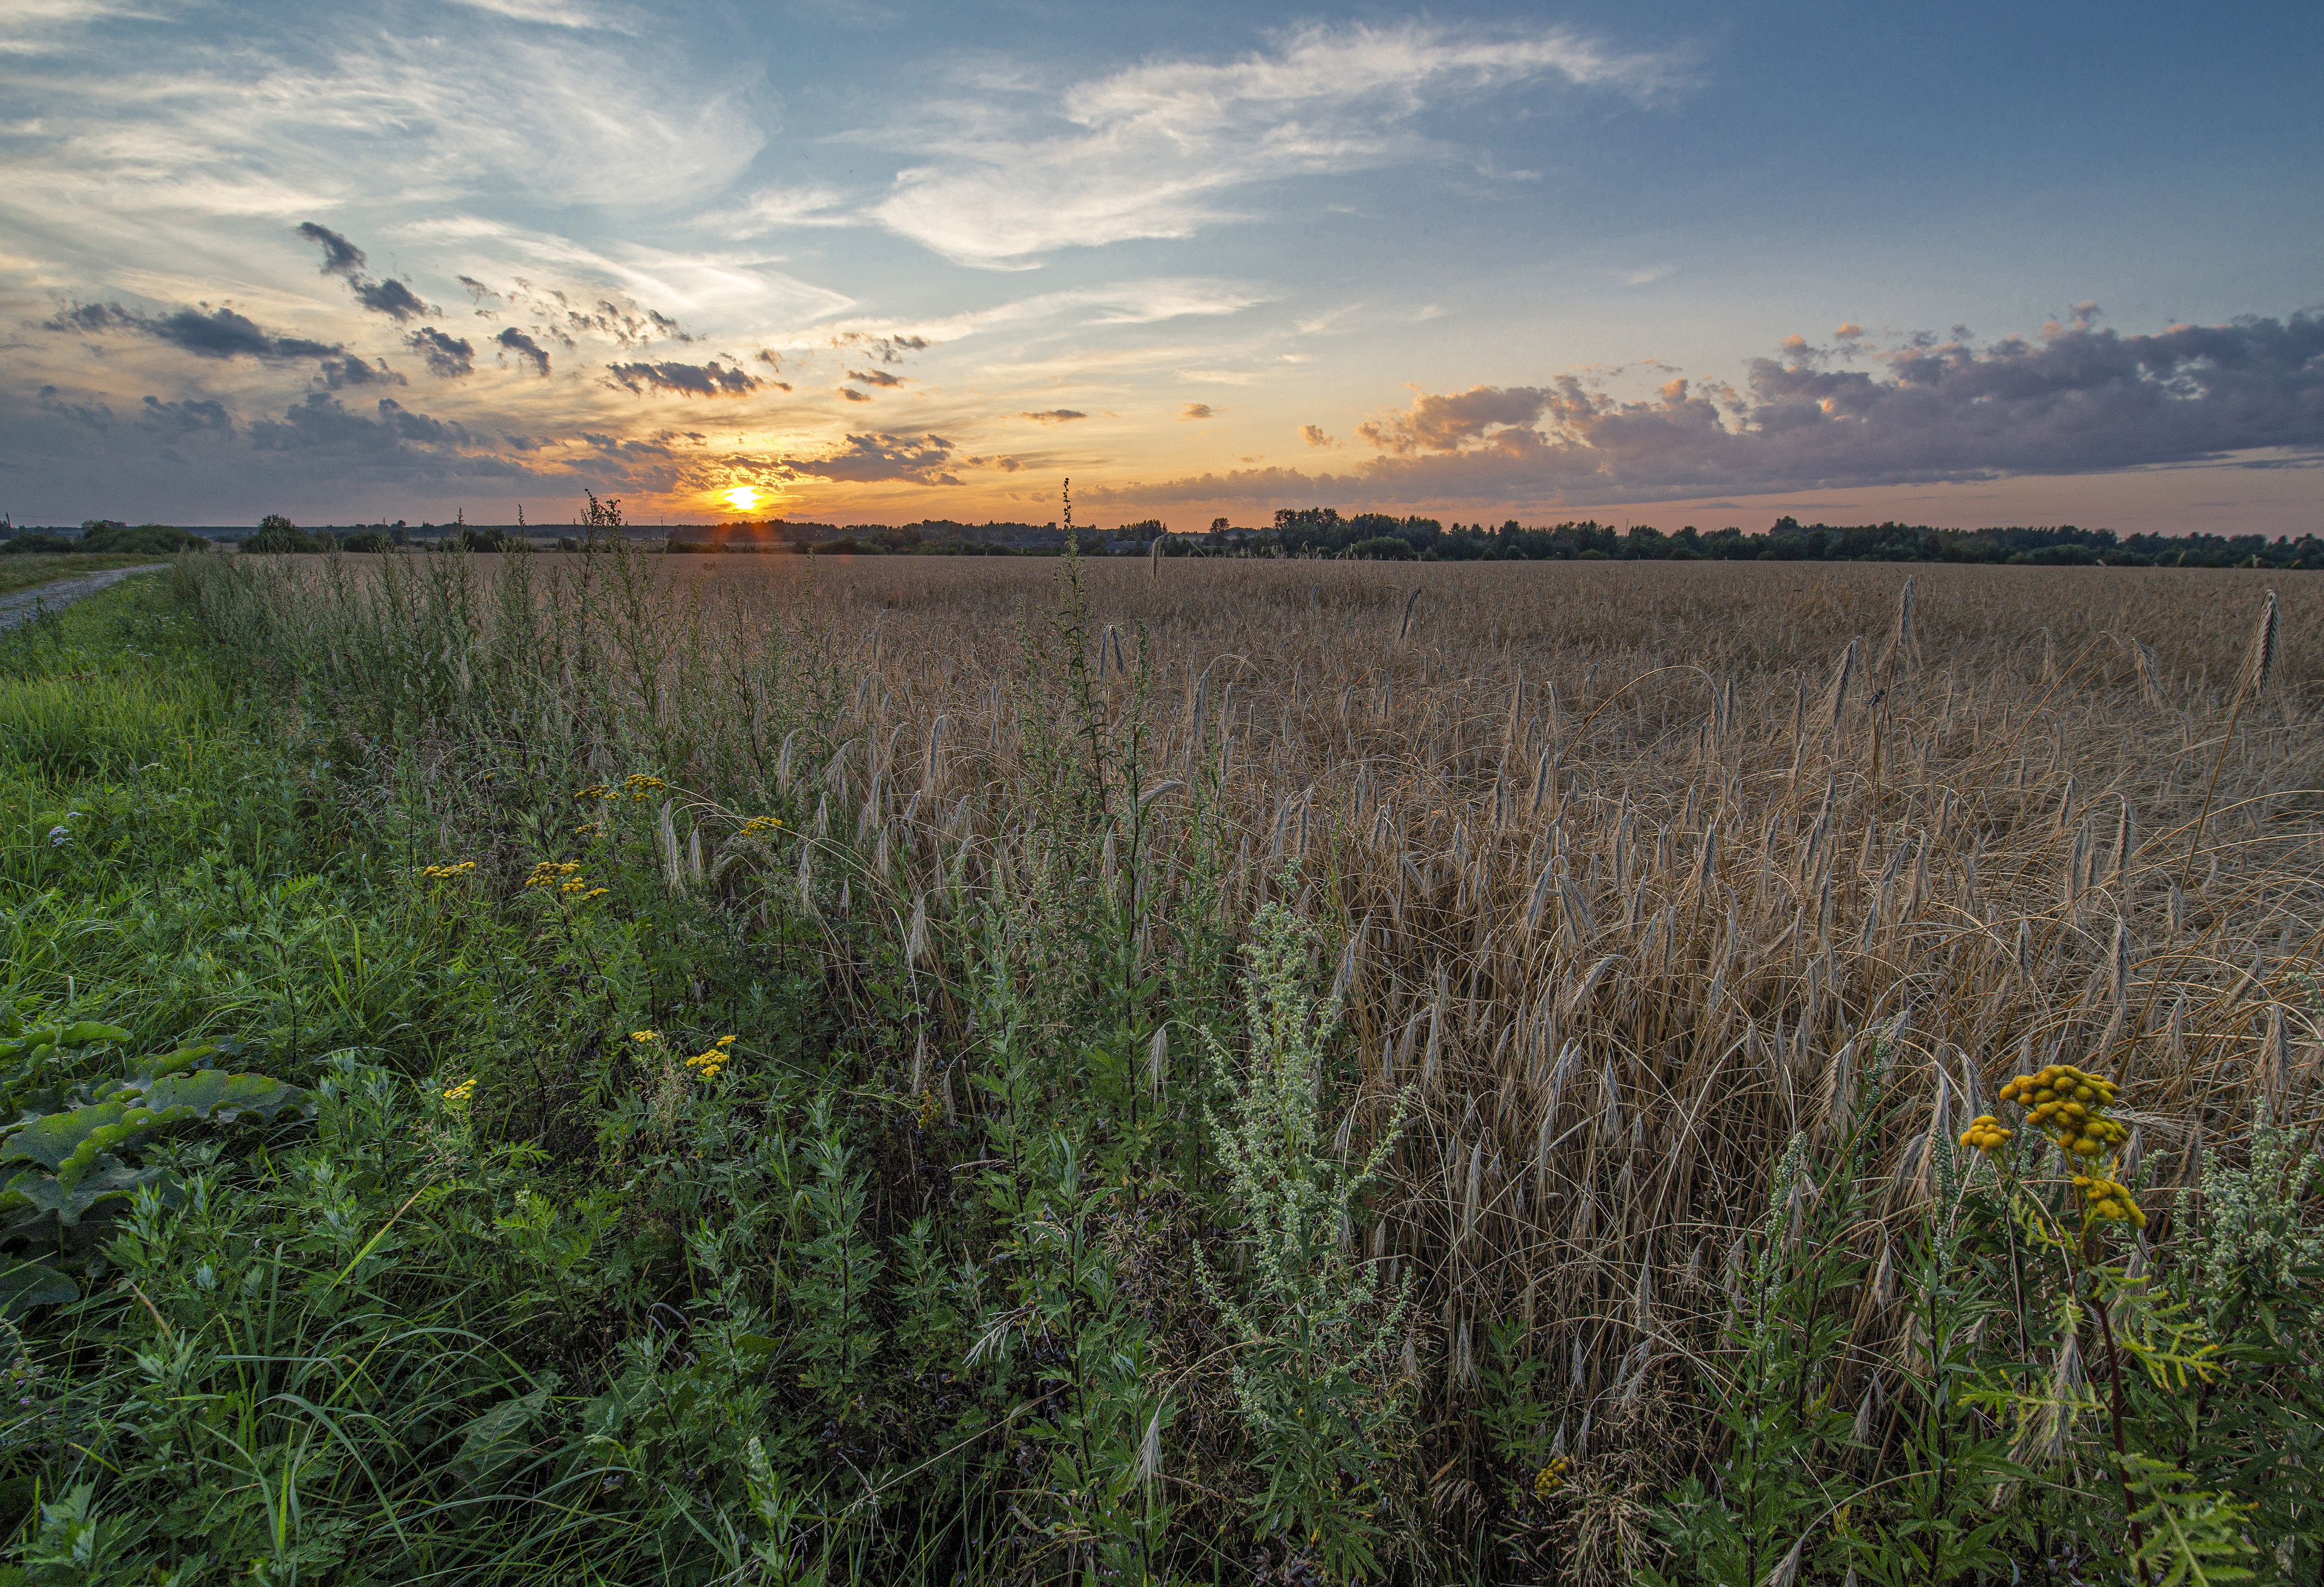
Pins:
x: 29, y: 570
x: 1277, y: 1071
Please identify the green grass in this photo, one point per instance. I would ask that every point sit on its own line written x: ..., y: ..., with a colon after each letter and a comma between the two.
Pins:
x: 33, y: 569
x: 549, y: 1283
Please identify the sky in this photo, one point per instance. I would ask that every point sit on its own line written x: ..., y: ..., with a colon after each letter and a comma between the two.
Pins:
x: 868, y: 262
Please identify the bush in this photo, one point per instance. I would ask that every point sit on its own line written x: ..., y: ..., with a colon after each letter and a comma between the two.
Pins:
x: 159, y: 539
x: 1382, y: 547
x: 37, y: 542
x: 367, y: 539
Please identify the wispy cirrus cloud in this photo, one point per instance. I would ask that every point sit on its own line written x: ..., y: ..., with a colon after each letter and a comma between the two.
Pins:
x: 1158, y: 150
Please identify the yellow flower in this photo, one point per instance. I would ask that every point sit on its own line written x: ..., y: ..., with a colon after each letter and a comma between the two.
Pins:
x: 1551, y: 1477
x: 1986, y: 1134
x: 459, y: 1096
x: 645, y: 1036
x: 759, y: 824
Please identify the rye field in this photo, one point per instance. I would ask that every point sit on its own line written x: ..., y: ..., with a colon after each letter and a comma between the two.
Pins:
x: 893, y: 1069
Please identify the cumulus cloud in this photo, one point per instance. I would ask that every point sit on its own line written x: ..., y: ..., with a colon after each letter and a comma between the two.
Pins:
x: 446, y: 358
x: 1313, y: 434
x: 205, y: 332
x: 868, y: 459
x: 340, y: 256
x: 93, y: 413
x: 351, y: 371
x: 513, y: 341
x: 194, y: 413
x: 876, y: 377
x: 1155, y: 149
x: 2081, y: 398
x: 683, y: 380
x: 852, y: 396
x: 1197, y: 410
x: 391, y: 297
x: 319, y: 424
x: 1055, y: 416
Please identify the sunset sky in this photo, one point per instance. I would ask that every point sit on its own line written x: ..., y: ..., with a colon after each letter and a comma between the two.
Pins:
x: 857, y: 261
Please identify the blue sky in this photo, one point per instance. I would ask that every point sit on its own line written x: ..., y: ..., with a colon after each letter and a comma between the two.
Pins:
x: 866, y: 262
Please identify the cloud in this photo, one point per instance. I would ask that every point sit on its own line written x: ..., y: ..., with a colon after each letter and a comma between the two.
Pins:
x: 205, y: 332
x: 683, y: 380
x: 1196, y: 410
x: 780, y: 208
x: 1055, y: 416
x: 478, y: 294
x: 446, y: 358
x: 391, y: 297
x: 340, y: 256
x: 93, y: 413
x: 2080, y: 399
x: 319, y: 424
x: 852, y: 396
x: 870, y: 458
x: 1313, y: 434
x: 192, y: 414
x: 876, y: 377
x: 515, y: 341
x: 1156, y: 148
x: 351, y: 371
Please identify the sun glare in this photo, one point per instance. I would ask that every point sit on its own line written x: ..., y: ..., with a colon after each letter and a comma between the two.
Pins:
x: 745, y: 498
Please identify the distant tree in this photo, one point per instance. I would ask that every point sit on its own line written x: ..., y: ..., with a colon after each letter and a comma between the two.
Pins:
x: 1385, y: 548
x: 27, y: 541
x: 278, y: 535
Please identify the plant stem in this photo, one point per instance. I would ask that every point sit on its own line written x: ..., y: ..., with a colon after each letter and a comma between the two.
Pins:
x: 2121, y: 1456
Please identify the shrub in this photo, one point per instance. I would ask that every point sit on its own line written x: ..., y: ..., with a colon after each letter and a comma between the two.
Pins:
x: 1383, y: 547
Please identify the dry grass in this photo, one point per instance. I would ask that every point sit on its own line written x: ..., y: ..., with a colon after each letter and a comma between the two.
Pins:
x: 1623, y: 858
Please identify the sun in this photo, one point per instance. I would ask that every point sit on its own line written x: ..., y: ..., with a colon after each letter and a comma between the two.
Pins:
x: 744, y: 498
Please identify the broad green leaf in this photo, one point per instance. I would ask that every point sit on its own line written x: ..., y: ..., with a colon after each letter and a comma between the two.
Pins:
x: 25, y: 1284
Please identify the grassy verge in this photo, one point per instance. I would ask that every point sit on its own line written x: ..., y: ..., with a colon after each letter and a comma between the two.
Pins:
x: 480, y: 1120
x: 33, y: 570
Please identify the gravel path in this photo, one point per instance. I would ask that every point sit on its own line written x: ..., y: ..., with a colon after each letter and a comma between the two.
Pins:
x: 26, y: 604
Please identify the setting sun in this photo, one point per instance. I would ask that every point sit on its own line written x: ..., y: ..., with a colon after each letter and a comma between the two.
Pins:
x: 745, y: 498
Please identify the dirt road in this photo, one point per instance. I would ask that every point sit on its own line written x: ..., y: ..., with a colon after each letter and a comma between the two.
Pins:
x: 26, y: 604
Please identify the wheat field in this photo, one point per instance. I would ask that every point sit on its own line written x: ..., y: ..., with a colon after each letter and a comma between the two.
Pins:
x: 1622, y: 865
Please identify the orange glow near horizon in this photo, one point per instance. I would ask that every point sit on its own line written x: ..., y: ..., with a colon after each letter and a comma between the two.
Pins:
x: 746, y: 498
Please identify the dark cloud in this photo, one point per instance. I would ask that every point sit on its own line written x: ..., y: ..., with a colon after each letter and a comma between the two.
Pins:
x: 515, y: 341
x: 340, y: 257
x: 478, y: 294
x: 93, y: 413
x: 392, y: 298
x: 351, y: 371
x: 1197, y: 410
x: 320, y: 425
x: 446, y: 358
x: 2079, y: 398
x: 852, y: 396
x: 179, y: 418
x: 683, y: 380
x: 869, y: 459
x: 1313, y: 434
x: 888, y: 349
x: 625, y: 322
x: 1055, y: 416
x: 1006, y: 465
x: 205, y: 332
x: 876, y: 377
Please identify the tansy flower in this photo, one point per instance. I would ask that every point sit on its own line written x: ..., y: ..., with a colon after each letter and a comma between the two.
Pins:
x: 1986, y: 1134
x: 759, y: 824
x: 1551, y: 1477
x: 645, y: 1036
x: 459, y: 1096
